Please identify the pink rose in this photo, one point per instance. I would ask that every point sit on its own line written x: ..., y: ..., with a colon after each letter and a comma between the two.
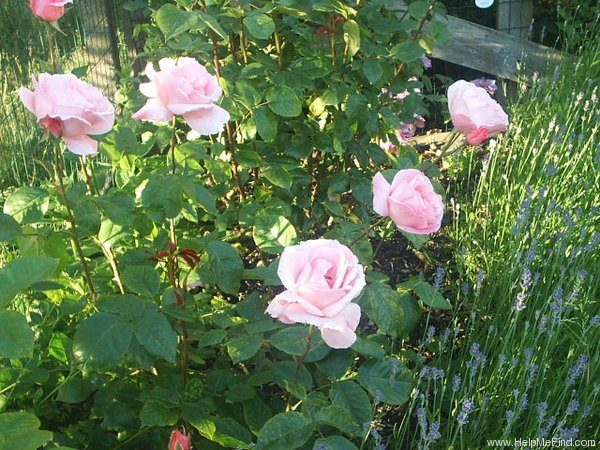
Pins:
x: 472, y: 109
x: 183, y: 88
x: 409, y: 201
x: 322, y: 278
x: 179, y: 441
x: 48, y: 10
x: 71, y: 109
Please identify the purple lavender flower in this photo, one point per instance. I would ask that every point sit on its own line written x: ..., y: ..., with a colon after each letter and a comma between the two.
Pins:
x: 434, y: 432
x: 520, y: 302
x: 468, y: 406
x: 523, y: 403
x: 426, y: 62
x: 595, y: 321
x: 431, y: 373
x: 462, y: 418
x: 577, y: 370
x: 487, y: 84
x: 421, y: 417
x: 438, y: 278
x: 456, y: 383
x: 541, y: 409
x: 572, y: 407
x: 528, y: 353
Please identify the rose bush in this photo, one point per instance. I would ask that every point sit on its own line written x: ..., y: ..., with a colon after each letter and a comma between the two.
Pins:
x: 183, y: 87
x: 49, y: 10
x: 322, y: 278
x: 474, y: 112
x: 409, y: 201
x: 71, y: 109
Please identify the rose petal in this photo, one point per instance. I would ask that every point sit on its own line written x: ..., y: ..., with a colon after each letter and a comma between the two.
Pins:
x: 153, y: 111
x: 381, y: 190
x: 81, y: 145
x: 207, y: 121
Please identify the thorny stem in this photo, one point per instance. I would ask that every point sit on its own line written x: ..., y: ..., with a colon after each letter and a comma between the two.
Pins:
x: 300, y: 361
x: 417, y: 32
x: 51, y: 49
x: 112, y: 260
x: 278, y: 44
x: 88, y: 179
x: 447, y: 148
x: 74, y: 238
x: 230, y: 141
x: 173, y: 169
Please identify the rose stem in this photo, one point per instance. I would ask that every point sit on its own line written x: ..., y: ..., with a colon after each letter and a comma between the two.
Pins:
x: 51, y: 49
x: 173, y: 265
x: 112, y: 260
x: 88, y: 179
x: 445, y: 149
x: 230, y: 143
x: 75, y: 239
x: 299, y: 362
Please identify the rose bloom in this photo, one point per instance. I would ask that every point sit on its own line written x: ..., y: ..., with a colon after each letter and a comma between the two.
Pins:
x: 48, y: 10
x: 179, y: 441
x: 183, y: 87
x: 70, y: 109
x: 321, y: 277
x: 409, y: 201
x: 474, y: 112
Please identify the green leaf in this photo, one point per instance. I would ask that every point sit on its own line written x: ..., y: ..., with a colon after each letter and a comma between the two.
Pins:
x: 101, y: 341
x: 407, y: 51
x: 334, y: 443
x: 157, y: 414
x: 16, y: 338
x: 293, y: 341
x: 266, y: 124
x: 118, y: 206
x: 368, y: 347
x: 173, y: 21
x: 283, y: 101
x: 356, y: 107
x: 256, y: 413
x: 227, y: 266
x: 110, y: 233
x: 9, y: 228
x: 418, y: 9
x: 143, y: 280
x: 351, y: 38
x: 225, y: 432
x: 412, y: 311
x: 88, y: 217
x: 388, y: 380
x: 382, y: 304
x: 338, y: 417
x: 427, y: 293
x: 212, y: 23
x: 272, y: 233
x: 336, y: 363
x: 201, y: 197
x: 278, y: 175
x: 353, y: 398
x: 243, y: 347
x: 259, y: 25
x: 19, y: 430
x: 372, y: 70
x: 417, y: 240
x: 27, y: 204
x: 156, y: 336
x: 74, y: 390
x: 162, y: 197
x: 292, y: 428
x: 20, y: 273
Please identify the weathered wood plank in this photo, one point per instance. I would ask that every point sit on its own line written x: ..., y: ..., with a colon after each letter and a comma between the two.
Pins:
x: 491, y: 51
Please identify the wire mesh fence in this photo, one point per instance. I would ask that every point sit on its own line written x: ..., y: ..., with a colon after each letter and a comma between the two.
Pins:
x: 87, y: 46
